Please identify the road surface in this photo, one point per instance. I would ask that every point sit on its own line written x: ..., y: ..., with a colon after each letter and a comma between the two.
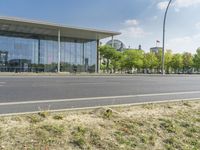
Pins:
x: 28, y: 94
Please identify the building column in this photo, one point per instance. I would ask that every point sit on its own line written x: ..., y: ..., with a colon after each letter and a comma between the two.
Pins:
x: 38, y: 51
x: 58, y: 51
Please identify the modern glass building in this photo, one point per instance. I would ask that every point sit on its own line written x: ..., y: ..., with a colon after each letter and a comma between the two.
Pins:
x: 34, y: 46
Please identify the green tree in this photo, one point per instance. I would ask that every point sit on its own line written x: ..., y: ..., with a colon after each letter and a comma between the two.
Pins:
x: 103, y: 67
x: 159, y: 57
x: 133, y: 59
x: 116, y: 61
x: 150, y: 61
x: 177, y: 62
x: 107, y: 52
x: 123, y: 63
x: 187, y: 61
x: 196, y: 59
x: 168, y: 59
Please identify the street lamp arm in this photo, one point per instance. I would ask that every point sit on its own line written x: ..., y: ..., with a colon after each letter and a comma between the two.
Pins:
x: 163, y: 47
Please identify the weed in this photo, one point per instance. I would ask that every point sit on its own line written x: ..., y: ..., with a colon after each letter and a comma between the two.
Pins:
x: 95, y: 138
x: 172, y: 143
x: 58, y: 117
x: 2, y: 119
x: 195, y: 143
x: 193, y: 129
x: 44, y: 114
x: 108, y: 113
x: 149, y: 106
x: 34, y: 119
x: 185, y: 124
x: 16, y: 118
x: 123, y: 140
x: 54, y: 129
x: 168, y: 125
x: 197, y: 119
x: 42, y: 135
x: 98, y: 142
x: 79, y: 141
x: 79, y: 138
x: 81, y: 130
x: 185, y: 103
x: 188, y: 134
x: 143, y: 139
x: 168, y: 106
x: 129, y: 126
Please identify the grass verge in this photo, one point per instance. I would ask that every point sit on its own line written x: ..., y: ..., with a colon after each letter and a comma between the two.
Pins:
x: 150, y: 126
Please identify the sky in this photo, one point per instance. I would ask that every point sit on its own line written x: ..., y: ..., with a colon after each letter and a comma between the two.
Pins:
x: 139, y: 21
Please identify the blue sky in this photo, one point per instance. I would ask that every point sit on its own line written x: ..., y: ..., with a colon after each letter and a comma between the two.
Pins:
x: 140, y: 21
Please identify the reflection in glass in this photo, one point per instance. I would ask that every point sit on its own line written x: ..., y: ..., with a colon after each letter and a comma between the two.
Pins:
x: 18, y: 54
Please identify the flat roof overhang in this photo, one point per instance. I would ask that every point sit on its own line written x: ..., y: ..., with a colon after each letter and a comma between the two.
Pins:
x: 18, y: 25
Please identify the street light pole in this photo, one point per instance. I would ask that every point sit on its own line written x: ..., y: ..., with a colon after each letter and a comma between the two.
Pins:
x: 163, y: 47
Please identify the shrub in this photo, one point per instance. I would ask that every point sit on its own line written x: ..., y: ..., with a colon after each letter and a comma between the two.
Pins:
x: 108, y: 113
x: 44, y: 114
x: 58, y: 117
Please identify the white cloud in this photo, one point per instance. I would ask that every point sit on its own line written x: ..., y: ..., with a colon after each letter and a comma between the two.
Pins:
x: 131, y: 22
x: 178, y: 4
x: 186, y: 43
x: 197, y: 25
x: 181, y: 40
x: 132, y: 29
x: 186, y: 3
x: 162, y: 5
x: 133, y: 32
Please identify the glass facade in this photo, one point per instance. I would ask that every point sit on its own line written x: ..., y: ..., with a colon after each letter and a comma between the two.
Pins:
x: 20, y: 54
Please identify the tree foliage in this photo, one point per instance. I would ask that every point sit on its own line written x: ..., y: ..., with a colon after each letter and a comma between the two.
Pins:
x: 114, y: 61
x: 177, y: 62
x: 187, y: 61
x: 168, y: 60
x: 133, y: 59
x: 196, y: 59
x: 159, y: 57
x: 108, y: 53
x: 150, y: 61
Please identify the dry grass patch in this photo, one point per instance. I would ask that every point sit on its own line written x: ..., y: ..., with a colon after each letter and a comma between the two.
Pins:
x: 149, y: 126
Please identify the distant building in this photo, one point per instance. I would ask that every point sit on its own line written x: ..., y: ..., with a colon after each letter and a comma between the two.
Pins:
x: 117, y: 44
x: 155, y: 49
x: 130, y: 48
x: 140, y: 47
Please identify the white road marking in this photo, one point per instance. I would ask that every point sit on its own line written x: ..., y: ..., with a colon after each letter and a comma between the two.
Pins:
x: 91, y: 83
x: 110, y: 106
x: 99, y: 98
x: 2, y: 84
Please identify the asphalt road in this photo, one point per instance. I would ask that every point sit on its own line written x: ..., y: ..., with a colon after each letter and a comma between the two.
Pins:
x: 28, y: 94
